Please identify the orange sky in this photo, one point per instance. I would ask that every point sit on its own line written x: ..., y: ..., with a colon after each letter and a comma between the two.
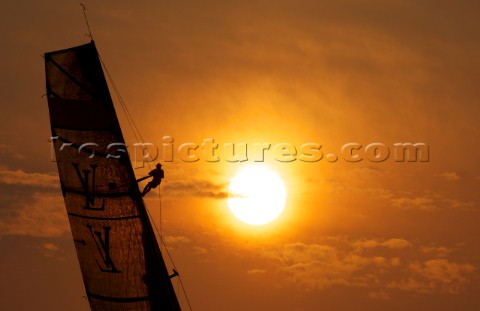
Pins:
x: 364, y: 235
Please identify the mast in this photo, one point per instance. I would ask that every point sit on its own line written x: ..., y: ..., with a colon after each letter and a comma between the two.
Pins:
x: 121, y: 263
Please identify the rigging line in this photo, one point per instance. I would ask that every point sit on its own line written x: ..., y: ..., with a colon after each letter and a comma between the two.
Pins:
x: 136, y: 131
x: 119, y: 97
x: 171, y: 259
x: 179, y: 277
x: 160, y: 211
x: 127, y: 112
x: 133, y: 126
x: 86, y: 21
x: 131, y: 121
x: 178, y: 286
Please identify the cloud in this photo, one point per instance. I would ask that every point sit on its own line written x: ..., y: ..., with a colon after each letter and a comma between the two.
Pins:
x: 440, y: 251
x: 31, y: 204
x: 372, y: 243
x: 256, y: 271
x: 50, y: 247
x: 379, y: 193
x: 9, y: 154
x: 320, y: 266
x: 458, y: 204
x: 200, y: 250
x: 395, y: 243
x: 450, y: 176
x: 21, y: 178
x: 45, y: 216
x: 52, y: 250
x: 175, y: 240
x: 430, y: 202
x: 436, y: 275
x: 379, y: 264
x: 197, y: 188
x: 422, y: 203
x: 395, y: 261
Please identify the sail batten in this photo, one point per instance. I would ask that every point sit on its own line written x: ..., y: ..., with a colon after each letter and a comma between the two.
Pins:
x: 118, y: 299
x: 120, y: 261
x: 104, y: 218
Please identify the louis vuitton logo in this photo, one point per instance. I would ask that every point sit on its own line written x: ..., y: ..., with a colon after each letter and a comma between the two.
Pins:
x: 103, y: 245
x: 89, y: 190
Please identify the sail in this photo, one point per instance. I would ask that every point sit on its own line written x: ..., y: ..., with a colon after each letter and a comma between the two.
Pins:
x: 121, y: 263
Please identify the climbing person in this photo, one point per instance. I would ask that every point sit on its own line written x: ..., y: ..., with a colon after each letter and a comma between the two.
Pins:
x: 157, y: 175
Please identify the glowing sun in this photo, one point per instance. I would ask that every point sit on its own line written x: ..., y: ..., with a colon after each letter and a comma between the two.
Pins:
x: 256, y: 195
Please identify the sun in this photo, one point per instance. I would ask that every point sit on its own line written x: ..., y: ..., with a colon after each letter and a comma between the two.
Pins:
x: 256, y: 195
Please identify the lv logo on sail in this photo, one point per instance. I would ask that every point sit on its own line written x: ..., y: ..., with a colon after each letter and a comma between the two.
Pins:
x: 89, y: 194
x: 103, y: 245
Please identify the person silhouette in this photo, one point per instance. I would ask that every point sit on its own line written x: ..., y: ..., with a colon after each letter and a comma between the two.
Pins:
x: 157, y: 175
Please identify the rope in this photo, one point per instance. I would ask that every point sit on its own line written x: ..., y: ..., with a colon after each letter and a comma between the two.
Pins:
x: 137, y: 134
x: 129, y: 117
x: 131, y: 121
x: 160, y: 211
x: 171, y: 260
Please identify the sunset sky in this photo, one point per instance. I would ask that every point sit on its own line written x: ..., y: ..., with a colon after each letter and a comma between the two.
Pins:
x: 353, y: 236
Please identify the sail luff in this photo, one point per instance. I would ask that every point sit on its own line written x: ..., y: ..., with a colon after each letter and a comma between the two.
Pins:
x: 121, y: 263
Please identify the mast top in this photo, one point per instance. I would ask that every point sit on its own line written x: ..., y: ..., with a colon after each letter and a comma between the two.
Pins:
x: 86, y: 21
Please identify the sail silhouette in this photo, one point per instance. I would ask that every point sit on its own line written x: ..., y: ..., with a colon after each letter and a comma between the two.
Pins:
x: 120, y: 261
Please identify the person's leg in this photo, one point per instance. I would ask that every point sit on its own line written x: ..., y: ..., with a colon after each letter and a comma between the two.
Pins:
x: 146, y: 190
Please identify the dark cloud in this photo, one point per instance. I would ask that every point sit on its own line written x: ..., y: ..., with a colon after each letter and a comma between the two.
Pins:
x: 18, y: 189
x: 31, y: 204
x: 198, y: 188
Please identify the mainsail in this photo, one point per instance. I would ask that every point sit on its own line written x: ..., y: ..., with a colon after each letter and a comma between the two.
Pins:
x: 119, y: 257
